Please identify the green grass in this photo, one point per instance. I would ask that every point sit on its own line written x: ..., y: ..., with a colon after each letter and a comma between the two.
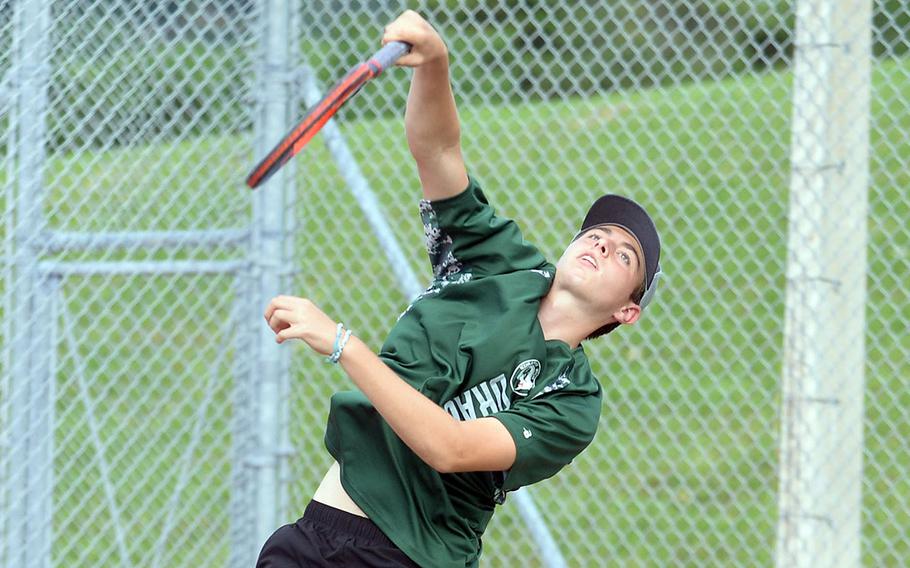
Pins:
x: 683, y: 470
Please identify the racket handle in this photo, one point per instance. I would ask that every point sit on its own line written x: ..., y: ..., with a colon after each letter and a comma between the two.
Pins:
x: 390, y: 53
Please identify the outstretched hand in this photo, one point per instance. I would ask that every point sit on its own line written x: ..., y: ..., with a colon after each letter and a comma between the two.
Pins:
x: 291, y: 317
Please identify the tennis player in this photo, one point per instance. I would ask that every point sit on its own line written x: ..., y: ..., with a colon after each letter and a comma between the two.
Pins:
x: 482, y: 385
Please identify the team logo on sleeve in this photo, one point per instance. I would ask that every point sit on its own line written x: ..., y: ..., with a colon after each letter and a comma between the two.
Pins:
x: 525, y: 376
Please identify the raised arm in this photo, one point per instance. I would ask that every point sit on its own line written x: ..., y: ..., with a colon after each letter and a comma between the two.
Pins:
x: 431, y: 119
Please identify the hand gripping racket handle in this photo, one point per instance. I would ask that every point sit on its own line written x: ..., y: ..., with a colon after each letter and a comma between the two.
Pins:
x: 390, y: 53
x: 316, y: 117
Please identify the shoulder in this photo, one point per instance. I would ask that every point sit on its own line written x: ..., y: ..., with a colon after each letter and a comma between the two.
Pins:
x: 573, y: 375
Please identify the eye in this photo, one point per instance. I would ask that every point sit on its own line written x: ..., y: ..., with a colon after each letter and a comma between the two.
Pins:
x: 595, y: 236
x: 625, y: 258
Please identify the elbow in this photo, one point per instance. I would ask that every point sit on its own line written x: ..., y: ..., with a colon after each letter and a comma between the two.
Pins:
x: 446, y: 463
x: 448, y: 454
x: 443, y: 465
x: 430, y: 154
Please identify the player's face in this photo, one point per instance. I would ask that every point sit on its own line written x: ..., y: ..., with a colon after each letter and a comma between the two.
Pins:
x: 605, y: 266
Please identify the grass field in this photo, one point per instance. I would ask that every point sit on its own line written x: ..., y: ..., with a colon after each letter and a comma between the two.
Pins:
x: 683, y: 470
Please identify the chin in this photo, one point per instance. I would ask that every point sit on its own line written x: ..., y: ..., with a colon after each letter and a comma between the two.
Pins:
x: 575, y: 283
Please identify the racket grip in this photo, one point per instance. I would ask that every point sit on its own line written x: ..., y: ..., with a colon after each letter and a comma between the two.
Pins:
x: 390, y: 53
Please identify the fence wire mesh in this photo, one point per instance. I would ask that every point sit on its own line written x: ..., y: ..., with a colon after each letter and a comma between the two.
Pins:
x: 128, y: 409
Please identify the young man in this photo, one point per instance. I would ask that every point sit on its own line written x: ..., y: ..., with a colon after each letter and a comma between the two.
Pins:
x: 482, y: 385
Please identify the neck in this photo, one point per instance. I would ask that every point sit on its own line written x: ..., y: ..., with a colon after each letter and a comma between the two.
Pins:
x: 564, y: 318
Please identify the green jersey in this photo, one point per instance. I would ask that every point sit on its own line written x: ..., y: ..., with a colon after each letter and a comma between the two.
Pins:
x: 472, y: 344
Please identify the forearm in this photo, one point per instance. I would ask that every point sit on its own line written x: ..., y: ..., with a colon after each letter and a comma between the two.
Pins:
x: 425, y: 427
x: 443, y: 443
x: 431, y: 118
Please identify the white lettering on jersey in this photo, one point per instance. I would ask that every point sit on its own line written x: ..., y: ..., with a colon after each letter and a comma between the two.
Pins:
x: 498, y: 385
x: 486, y: 402
x: 490, y: 397
x: 452, y: 409
x: 465, y: 405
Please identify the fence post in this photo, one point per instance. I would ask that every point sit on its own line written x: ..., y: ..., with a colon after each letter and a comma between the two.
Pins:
x: 29, y: 480
x: 820, y: 500
x: 268, y: 258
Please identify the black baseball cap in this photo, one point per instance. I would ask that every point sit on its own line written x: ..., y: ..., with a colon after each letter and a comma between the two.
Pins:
x: 623, y: 212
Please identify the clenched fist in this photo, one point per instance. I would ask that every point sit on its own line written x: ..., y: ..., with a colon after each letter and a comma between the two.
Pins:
x: 426, y: 44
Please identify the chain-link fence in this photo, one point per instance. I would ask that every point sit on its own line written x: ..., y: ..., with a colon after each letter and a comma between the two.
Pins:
x: 124, y: 232
x: 147, y: 419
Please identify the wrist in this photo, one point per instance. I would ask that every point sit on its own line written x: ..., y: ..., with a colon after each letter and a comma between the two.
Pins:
x: 342, y: 337
x: 437, y: 63
x: 441, y: 57
x: 350, y: 350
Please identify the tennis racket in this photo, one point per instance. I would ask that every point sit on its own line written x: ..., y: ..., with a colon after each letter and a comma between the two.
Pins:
x: 316, y: 117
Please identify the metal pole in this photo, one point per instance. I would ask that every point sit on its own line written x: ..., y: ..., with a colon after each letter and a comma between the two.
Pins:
x: 243, y: 543
x: 267, y: 256
x: 540, y: 532
x: 821, y: 440
x: 54, y: 241
x: 285, y: 448
x: 31, y: 410
x: 9, y: 193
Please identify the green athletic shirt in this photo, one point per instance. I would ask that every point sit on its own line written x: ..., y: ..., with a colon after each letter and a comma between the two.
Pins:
x: 471, y: 343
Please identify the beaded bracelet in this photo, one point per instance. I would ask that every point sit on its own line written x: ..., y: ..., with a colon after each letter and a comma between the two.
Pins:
x: 341, y: 339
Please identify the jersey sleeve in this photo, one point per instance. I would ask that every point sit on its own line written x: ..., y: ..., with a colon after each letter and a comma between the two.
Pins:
x: 549, y: 430
x: 464, y: 235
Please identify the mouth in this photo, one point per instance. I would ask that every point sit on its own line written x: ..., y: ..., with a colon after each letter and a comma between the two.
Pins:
x: 589, y: 259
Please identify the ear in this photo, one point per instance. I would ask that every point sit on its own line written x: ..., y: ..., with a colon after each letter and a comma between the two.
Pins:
x: 628, y: 314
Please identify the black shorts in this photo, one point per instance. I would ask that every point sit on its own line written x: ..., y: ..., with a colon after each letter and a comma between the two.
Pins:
x: 326, y: 536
